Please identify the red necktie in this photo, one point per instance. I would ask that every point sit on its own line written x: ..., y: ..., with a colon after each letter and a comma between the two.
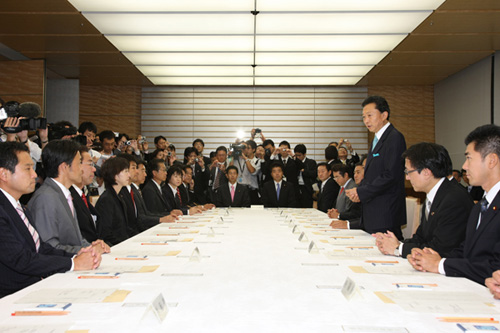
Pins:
x: 341, y: 189
x: 179, y: 196
x: 84, y: 198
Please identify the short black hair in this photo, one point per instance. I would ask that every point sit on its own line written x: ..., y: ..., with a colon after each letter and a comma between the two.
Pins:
x: 276, y: 165
x: 107, y: 134
x: 252, y: 144
x: 87, y: 126
x: 200, y: 141
x: 154, y: 165
x: 155, y: 152
x: 426, y: 155
x: 8, y: 154
x: 185, y: 167
x: 190, y: 150
x: 341, y: 169
x: 140, y: 161
x: 158, y: 138
x: 120, y: 136
x: 231, y: 167
x: 112, y: 167
x: 171, y: 147
x: 380, y: 104
x: 285, y: 143
x: 333, y: 142
x: 220, y: 148
x: 212, y: 154
x: 326, y: 165
x: 331, y: 153
x: 300, y: 148
x: 267, y: 142
x: 172, y: 171
x: 455, y: 170
x: 57, y: 152
x: 130, y: 158
x: 486, y: 140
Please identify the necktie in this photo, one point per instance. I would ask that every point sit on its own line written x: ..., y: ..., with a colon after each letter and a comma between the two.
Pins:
x: 232, y: 193
x: 179, y: 196
x: 284, y: 162
x: 278, y: 191
x: 84, y: 198
x: 374, y: 143
x: 427, y: 208
x: 32, y: 231
x: 484, y: 207
x: 133, y: 200
x: 69, y: 198
x: 217, y: 178
x: 341, y: 190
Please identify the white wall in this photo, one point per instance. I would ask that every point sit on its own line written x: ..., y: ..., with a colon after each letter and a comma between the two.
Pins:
x: 462, y: 102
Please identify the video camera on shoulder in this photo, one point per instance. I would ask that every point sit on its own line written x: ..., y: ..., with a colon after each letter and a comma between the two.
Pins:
x: 28, y: 111
x: 236, y: 149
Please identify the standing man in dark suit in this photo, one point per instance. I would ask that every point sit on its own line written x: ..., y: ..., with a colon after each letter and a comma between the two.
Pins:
x: 479, y: 255
x: 345, y: 209
x: 24, y: 258
x: 201, y: 174
x: 199, y: 145
x: 446, y: 208
x: 328, y: 188
x: 218, y: 171
x: 87, y: 215
x: 52, y: 204
x: 232, y: 194
x: 278, y: 193
x: 307, y: 175
x: 382, y: 192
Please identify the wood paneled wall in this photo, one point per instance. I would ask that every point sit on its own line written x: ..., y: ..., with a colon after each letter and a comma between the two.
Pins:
x: 412, y: 111
x: 23, y: 81
x: 116, y: 108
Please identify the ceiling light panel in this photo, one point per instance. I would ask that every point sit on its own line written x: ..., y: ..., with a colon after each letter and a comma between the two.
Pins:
x: 190, y: 58
x: 196, y: 81
x: 312, y: 70
x: 158, y: 23
x: 340, y: 23
x: 343, y: 5
x: 182, y: 43
x: 323, y: 58
x: 329, y: 43
x: 306, y: 81
x: 196, y: 70
x: 163, y: 5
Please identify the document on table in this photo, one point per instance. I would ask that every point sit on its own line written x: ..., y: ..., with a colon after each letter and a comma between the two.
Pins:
x: 386, y: 268
x: 110, y: 268
x: 353, y: 251
x: 73, y: 295
x: 60, y: 328
x: 145, y: 253
x: 439, y: 302
x: 349, y: 240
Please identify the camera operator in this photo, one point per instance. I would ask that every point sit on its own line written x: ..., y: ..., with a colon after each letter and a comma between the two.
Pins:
x: 269, y: 153
x: 22, y: 136
x: 201, y: 174
x: 89, y: 129
x: 248, y: 166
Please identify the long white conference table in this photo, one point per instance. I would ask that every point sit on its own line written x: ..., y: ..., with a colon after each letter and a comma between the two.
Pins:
x: 250, y: 270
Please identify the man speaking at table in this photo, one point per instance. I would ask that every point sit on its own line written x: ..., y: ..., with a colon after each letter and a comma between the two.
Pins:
x: 479, y: 255
x: 382, y: 191
x: 24, y: 257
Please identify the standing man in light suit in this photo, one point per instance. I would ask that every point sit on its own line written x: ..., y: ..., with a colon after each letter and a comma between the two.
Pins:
x: 52, y: 204
x: 382, y: 191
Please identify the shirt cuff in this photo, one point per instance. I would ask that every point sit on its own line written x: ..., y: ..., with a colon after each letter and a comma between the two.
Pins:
x: 400, y: 248
x: 441, y: 267
x: 72, y: 263
x: 348, y: 225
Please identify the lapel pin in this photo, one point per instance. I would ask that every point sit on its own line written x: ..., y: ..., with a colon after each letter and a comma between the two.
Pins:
x: 432, y: 213
x: 494, y: 207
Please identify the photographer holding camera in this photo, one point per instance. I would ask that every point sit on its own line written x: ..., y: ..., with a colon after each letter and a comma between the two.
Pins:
x: 248, y: 166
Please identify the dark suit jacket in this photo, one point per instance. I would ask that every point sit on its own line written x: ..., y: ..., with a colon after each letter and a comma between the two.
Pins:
x: 145, y: 219
x: 90, y: 230
x: 154, y: 200
x: 382, y: 191
x: 173, y: 202
x: 241, y: 196
x: 113, y: 212
x: 287, y: 195
x: 348, y: 210
x: 132, y: 218
x: 309, y: 176
x: 187, y: 195
x: 328, y: 197
x: 476, y: 192
x: 479, y: 255
x: 201, y: 183
x: 20, y: 264
x: 445, y: 229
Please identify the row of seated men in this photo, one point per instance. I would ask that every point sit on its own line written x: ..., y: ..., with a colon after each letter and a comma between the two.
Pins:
x: 444, y: 243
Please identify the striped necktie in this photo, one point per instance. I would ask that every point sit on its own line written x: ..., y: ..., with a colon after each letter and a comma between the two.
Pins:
x: 33, y: 233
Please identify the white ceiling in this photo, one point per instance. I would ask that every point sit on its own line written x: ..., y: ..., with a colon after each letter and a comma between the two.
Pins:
x: 258, y: 42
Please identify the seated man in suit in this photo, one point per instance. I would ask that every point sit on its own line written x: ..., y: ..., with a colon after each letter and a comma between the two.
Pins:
x: 152, y: 191
x: 479, y: 255
x: 444, y: 214
x: 52, y: 204
x: 187, y: 187
x: 232, y: 194
x: 25, y: 258
x: 172, y: 194
x: 328, y: 188
x: 345, y: 209
x: 278, y: 193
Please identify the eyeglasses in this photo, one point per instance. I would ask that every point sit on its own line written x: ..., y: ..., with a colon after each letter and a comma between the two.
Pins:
x: 89, y: 164
x: 407, y: 172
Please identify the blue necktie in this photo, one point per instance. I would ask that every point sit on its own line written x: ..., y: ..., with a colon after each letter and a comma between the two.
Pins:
x: 374, y: 143
x: 484, y: 205
x: 278, y: 191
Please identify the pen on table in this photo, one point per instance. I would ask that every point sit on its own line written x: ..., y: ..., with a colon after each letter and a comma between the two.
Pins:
x: 39, y: 313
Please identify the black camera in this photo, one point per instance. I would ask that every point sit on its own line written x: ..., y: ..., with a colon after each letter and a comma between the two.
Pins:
x: 57, y: 132
x: 236, y: 149
x: 28, y: 111
x: 268, y: 152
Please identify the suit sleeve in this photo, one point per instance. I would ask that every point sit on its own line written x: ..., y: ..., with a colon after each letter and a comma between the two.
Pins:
x: 106, y: 211
x: 246, y: 197
x: 392, y: 169
x: 292, y: 201
x: 354, y: 212
x: 265, y: 195
x: 311, y: 171
x: 476, y: 271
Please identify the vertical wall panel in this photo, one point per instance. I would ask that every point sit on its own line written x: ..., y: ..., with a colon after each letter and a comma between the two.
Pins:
x: 308, y: 115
